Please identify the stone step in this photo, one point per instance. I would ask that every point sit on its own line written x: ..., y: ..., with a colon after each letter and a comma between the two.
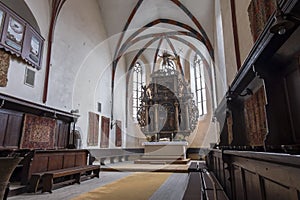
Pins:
x: 161, y: 162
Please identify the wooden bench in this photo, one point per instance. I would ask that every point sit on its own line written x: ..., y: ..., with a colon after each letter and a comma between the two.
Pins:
x: 212, y: 188
x: 194, y: 187
x: 202, y: 184
x: 57, y: 167
x: 76, y: 172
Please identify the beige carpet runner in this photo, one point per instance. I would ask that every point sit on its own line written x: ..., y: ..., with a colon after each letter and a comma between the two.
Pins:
x: 140, y: 185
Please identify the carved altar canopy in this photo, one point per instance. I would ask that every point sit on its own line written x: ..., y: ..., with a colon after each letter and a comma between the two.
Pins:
x: 167, y: 109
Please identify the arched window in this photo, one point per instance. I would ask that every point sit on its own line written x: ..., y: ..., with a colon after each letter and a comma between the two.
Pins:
x: 199, y: 85
x: 138, y: 80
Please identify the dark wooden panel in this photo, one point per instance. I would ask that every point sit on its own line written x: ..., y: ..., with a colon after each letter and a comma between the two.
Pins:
x: 39, y: 164
x: 276, y: 110
x: 69, y: 160
x: 3, y: 125
x: 118, y: 133
x: 13, y: 131
x: 61, y: 134
x: 93, y: 131
x: 66, y: 132
x: 238, y: 182
x: 56, y: 134
x: 252, y: 185
x: 55, y: 162
x: 275, y: 191
x: 259, y: 175
x: 104, y: 132
x: 292, y: 81
x: 81, y: 159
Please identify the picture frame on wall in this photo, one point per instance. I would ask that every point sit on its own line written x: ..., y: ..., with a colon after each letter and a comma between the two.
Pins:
x: 19, y: 38
x: 2, y: 17
x: 14, y: 34
x: 32, y: 48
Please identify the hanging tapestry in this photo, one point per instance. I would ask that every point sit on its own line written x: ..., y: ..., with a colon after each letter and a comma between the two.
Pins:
x: 93, y: 129
x: 4, y: 64
x: 38, y: 132
x: 104, y: 132
x: 255, y: 118
x: 118, y: 133
x: 259, y: 12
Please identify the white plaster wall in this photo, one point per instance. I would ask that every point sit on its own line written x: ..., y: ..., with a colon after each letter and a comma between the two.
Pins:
x: 77, y: 33
x: 134, y: 136
x: 224, y: 23
x: 220, y: 65
x: 16, y: 73
x: 119, y: 102
x: 244, y: 34
x: 243, y: 24
x: 81, y: 67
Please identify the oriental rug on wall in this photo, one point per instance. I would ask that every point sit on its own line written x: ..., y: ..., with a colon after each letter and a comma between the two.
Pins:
x: 93, y: 129
x: 38, y: 132
x: 104, y: 132
x: 255, y: 118
x: 259, y: 12
x: 4, y: 65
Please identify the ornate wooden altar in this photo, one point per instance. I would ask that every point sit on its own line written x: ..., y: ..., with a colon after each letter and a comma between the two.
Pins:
x: 168, y: 110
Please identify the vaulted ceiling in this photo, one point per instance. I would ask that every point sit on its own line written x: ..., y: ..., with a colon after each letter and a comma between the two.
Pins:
x: 148, y: 27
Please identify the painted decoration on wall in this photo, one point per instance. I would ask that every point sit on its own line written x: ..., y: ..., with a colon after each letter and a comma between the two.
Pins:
x: 4, y: 65
x: 93, y: 129
x: 259, y: 12
x: 38, y: 132
x: 118, y: 133
x: 104, y: 132
x: 15, y: 33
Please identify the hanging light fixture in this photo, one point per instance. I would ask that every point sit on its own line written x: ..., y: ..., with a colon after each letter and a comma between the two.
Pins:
x: 281, y: 25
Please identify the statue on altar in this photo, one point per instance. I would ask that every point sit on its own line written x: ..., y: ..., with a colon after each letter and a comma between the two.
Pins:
x: 168, y: 111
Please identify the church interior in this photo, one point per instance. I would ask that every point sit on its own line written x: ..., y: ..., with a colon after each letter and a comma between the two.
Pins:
x: 150, y: 99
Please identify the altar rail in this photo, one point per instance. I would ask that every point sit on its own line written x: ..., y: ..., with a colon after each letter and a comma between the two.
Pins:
x: 256, y: 175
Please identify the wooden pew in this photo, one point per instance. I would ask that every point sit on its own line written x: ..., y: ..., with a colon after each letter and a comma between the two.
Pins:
x: 76, y: 172
x: 211, y: 187
x: 51, y: 167
x: 202, y: 184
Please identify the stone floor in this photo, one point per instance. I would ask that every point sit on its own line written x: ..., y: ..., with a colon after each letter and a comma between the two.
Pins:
x: 173, y: 188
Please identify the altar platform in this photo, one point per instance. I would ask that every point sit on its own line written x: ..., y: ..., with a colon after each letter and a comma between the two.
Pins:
x: 131, y: 166
x: 164, y: 153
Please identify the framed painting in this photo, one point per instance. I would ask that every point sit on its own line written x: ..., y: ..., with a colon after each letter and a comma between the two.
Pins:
x: 13, y: 35
x: 32, y: 48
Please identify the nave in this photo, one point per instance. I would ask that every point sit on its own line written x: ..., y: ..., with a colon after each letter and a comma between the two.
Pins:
x: 173, y: 188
